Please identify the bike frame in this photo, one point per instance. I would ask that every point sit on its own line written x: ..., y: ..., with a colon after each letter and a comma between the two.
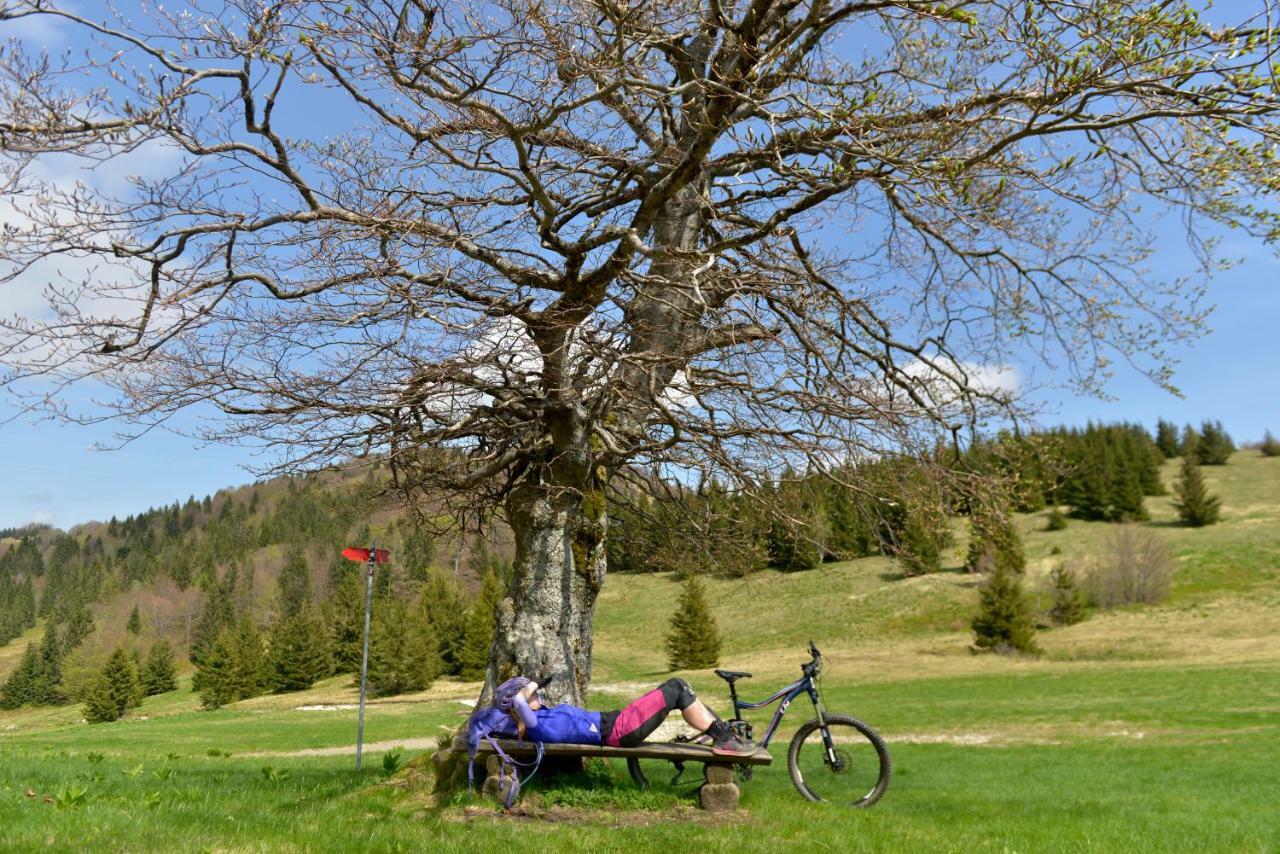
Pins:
x: 803, y: 685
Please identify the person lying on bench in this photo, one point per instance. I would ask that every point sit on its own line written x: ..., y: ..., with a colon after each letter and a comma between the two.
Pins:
x: 517, y: 710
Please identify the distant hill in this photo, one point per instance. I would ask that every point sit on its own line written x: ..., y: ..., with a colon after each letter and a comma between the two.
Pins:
x: 164, y: 562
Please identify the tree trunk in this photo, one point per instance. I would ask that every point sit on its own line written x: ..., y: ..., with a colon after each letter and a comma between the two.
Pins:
x: 544, y: 623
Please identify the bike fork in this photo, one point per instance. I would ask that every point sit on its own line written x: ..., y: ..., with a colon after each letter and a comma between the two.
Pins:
x: 828, y: 745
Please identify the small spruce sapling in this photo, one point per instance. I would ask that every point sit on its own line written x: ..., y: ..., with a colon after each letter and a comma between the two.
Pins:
x: 1003, y: 623
x: 1068, y: 599
x: 1196, y: 507
x: 694, y: 642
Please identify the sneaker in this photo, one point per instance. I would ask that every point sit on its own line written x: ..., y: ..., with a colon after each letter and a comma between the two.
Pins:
x: 733, y: 746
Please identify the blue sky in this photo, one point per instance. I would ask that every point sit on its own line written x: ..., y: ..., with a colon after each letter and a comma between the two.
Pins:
x: 54, y: 474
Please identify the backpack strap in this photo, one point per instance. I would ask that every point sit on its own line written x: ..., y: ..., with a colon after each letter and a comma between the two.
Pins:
x: 510, y: 767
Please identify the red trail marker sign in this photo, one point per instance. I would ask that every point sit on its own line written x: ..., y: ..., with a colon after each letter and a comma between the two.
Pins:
x: 362, y: 555
x: 369, y: 557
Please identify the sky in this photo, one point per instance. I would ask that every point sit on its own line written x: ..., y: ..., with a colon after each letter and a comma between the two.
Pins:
x: 54, y: 474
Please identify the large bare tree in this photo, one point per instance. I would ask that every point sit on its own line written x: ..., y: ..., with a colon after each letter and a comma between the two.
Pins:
x: 520, y: 247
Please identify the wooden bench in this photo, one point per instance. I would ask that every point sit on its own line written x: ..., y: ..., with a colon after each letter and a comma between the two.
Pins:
x: 719, y: 790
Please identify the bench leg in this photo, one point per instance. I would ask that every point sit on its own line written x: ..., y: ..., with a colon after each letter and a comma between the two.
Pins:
x: 720, y: 791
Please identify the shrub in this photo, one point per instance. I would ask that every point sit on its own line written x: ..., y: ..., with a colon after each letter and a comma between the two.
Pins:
x: 1003, y: 622
x: 1134, y: 569
x: 694, y: 641
x: 1196, y: 507
x: 1056, y: 521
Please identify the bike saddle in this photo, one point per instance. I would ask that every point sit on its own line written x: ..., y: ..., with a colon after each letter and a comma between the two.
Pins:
x: 730, y: 675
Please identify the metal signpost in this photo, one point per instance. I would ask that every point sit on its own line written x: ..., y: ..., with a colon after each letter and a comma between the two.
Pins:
x: 370, y: 556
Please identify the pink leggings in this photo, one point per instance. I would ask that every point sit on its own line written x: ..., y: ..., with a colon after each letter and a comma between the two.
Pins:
x: 642, y: 716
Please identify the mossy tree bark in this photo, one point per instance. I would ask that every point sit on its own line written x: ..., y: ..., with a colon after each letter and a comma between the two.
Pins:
x: 543, y: 624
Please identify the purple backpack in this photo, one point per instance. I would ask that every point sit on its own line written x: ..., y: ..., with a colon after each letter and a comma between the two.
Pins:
x: 497, y: 717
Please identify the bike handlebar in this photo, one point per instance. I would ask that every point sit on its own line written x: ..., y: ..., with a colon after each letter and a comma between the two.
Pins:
x: 811, y: 668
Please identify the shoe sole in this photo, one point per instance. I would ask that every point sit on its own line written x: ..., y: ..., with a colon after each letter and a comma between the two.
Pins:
x: 720, y: 751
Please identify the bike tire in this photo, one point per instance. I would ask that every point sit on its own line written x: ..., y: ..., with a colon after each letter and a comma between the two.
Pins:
x: 863, y: 739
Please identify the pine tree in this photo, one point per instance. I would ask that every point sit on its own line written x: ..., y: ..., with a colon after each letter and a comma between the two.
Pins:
x: 294, y: 583
x: 1196, y: 508
x: 234, y: 668
x: 1167, y: 439
x: 419, y: 551
x: 1215, y: 447
x: 299, y: 651
x: 216, y: 613
x: 123, y: 689
x: 159, y: 674
x: 250, y: 673
x: 921, y: 544
x: 1127, y: 497
x: 694, y: 642
x: 473, y: 658
x: 850, y: 536
x: 346, y: 621
x: 1003, y: 622
x: 403, y: 653
x: 23, y: 683
x: 79, y: 626
x: 1068, y: 599
x: 134, y: 624
x: 1270, y: 447
x: 47, y: 687
x: 99, y: 702
x: 213, y: 679
x: 443, y: 608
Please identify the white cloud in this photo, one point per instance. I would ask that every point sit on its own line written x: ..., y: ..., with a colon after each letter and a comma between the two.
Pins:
x: 42, y: 517
x: 946, y: 381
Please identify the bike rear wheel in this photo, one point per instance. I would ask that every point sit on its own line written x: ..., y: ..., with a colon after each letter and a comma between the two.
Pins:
x: 860, y: 772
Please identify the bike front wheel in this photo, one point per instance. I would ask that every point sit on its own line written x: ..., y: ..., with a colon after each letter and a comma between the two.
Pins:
x: 855, y: 776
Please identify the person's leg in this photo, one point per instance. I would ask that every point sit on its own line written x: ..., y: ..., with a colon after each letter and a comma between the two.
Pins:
x: 645, y: 714
x: 698, y: 716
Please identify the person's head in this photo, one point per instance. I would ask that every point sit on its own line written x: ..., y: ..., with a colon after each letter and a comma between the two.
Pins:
x: 504, y: 696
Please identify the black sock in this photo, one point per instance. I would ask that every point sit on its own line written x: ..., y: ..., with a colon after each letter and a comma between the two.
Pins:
x: 719, y: 731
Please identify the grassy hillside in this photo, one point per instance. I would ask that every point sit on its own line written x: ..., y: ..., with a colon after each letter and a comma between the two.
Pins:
x: 1146, y: 728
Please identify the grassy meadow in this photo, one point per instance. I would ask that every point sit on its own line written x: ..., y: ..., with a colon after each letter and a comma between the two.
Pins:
x: 1141, y: 729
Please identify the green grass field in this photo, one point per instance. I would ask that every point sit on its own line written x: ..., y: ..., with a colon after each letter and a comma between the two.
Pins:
x: 1145, y: 729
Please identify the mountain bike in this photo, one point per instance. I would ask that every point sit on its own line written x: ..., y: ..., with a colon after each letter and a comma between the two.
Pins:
x: 833, y: 758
